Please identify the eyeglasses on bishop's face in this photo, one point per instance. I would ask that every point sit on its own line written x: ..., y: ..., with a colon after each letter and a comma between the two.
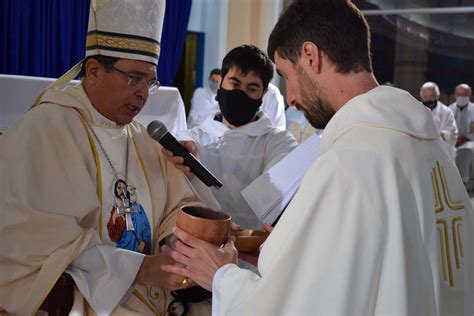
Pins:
x: 139, y: 81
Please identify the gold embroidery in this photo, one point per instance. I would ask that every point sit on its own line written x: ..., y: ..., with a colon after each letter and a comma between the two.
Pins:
x: 458, y: 231
x: 456, y: 223
x: 439, y: 207
x: 447, y: 197
x: 156, y: 295
x: 133, y: 44
x: 438, y: 176
x: 145, y: 301
x: 445, y: 252
x: 148, y: 182
x: 99, y: 171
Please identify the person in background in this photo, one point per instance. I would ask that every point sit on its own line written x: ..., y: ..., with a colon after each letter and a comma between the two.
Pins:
x: 298, y: 125
x: 239, y: 143
x: 379, y: 221
x: 273, y: 104
x: 203, y: 102
x: 443, y: 117
x: 463, y: 110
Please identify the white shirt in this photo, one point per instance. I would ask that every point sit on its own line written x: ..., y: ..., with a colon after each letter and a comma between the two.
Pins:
x: 273, y: 104
x: 444, y: 120
x: 464, y: 118
x: 203, y: 105
x: 238, y: 156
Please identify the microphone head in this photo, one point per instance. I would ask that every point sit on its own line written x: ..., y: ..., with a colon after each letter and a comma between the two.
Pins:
x: 156, y: 129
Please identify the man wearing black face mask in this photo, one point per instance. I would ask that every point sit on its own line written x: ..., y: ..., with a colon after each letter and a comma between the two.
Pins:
x: 463, y: 111
x: 240, y: 143
x: 442, y: 115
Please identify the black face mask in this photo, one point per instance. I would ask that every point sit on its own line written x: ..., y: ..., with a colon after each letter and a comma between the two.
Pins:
x: 430, y: 104
x: 236, y: 106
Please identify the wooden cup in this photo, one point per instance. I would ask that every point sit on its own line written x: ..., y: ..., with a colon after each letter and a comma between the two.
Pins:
x: 204, y: 223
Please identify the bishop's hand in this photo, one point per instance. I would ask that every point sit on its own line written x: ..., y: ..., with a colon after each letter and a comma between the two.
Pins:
x: 198, y: 260
x: 150, y: 273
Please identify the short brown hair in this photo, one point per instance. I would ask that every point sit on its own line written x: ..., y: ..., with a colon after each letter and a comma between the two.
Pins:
x: 337, y: 27
x: 107, y: 61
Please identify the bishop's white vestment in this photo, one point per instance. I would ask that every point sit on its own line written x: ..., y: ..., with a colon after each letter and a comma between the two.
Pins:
x: 58, y: 206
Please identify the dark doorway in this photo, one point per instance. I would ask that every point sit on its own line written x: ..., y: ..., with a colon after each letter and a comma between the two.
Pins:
x: 190, y: 72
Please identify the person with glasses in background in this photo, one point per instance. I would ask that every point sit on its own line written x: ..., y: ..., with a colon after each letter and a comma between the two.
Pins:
x: 61, y: 215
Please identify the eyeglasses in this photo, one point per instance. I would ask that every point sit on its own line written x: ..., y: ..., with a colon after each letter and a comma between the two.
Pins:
x: 139, y: 81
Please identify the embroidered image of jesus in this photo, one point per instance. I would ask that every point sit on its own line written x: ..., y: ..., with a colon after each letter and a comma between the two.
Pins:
x: 127, y: 208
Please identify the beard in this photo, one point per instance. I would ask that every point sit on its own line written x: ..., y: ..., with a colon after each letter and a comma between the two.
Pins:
x: 316, y: 109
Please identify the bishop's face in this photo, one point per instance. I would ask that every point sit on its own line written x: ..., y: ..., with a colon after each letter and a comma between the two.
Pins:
x: 304, y: 93
x: 114, y: 97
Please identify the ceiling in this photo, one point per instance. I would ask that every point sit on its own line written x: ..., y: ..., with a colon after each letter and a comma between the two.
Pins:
x: 458, y: 24
x: 403, y: 4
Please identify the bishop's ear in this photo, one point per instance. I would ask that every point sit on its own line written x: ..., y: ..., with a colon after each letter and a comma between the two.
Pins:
x: 92, y: 69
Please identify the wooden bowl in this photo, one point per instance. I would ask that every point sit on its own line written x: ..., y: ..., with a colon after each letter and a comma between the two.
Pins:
x: 249, y: 240
x: 204, y: 223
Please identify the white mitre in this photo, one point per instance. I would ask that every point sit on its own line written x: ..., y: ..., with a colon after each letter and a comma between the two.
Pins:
x: 129, y: 29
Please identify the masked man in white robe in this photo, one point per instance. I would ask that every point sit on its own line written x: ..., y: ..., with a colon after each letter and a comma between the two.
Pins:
x: 84, y: 189
x: 379, y: 221
x: 463, y: 110
x: 443, y: 117
x: 240, y: 143
x: 273, y: 104
x: 203, y: 102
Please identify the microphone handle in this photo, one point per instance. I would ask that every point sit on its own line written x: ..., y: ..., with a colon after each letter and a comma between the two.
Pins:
x: 192, y: 162
x: 196, y: 168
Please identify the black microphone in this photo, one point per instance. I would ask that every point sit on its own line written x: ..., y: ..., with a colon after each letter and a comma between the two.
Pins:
x: 158, y: 131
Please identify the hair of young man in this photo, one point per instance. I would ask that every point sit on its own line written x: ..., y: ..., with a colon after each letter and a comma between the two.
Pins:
x: 248, y: 58
x: 337, y: 27
x: 106, y: 61
x: 215, y: 71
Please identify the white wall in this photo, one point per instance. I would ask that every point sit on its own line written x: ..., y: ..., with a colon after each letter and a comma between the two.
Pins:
x: 210, y: 17
x: 223, y: 34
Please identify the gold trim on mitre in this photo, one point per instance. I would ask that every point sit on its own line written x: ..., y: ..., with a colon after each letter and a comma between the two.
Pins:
x: 122, y: 43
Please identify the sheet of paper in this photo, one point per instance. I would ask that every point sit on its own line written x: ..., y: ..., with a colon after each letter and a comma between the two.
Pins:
x: 269, y: 194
